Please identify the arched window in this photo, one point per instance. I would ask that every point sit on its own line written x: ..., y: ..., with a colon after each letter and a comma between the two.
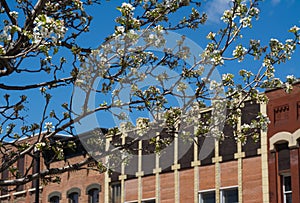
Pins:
x: 93, y: 195
x: 93, y: 192
x: 73, y: 195
x: 54, y: 197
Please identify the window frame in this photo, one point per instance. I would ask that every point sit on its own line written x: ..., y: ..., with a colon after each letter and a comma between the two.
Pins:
x: 284, y: 192
x: 115, y: 198
x: 54, y: 194
x: 56, y: 200
x: 93, y: 195
x: 71, y: 192
x: 222, y: 189
x: 142, y: 201
x: 94, y: 186
x: 206, y: 191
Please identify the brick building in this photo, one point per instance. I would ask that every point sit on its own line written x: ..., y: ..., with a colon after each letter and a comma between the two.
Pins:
x: 283, y: 135
x: 263, y: 171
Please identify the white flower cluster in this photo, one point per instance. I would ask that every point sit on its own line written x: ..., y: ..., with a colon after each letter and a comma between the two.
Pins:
x: 127, y: 7
x: 39, y: 146
x: 48, y: 126
x: 47, y: 27
x: 239, y: 52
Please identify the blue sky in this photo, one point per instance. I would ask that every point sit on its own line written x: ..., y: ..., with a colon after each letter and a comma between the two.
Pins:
x: 277, y: 16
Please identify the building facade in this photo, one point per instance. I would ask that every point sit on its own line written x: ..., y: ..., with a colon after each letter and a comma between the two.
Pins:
x: 283, y: 136
x: 262, y: 171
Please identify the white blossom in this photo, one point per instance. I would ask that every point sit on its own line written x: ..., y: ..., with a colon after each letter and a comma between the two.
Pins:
x: 49, y: 126
x: 127, y: 6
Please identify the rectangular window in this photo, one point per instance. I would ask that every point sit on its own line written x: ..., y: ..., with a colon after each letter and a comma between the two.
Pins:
x: 116, y: 193
x: 21, y: 171
x: 5, y: 175
x: 148, y: 201
x: 287, y: 189
x: 283, y: 157
x: 208, y: 197
x: 228, y: 195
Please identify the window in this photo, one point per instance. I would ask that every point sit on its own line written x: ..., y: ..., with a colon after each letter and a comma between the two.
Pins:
x: 143, y: 201
x: 73, y: 197
x: 93, y: 192
x: 148, y: 201
x: 20, y: 172
x: 54, y: 199
x: 93, y: 195
x: 116, y: 193
x: 5, y: 176
x: 229, y: 195
x: 283, y: 157
x: 287, y: 189
x: 208, y: 197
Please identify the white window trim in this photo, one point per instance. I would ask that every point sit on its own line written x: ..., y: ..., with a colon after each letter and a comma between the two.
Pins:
x: 5, y: 196
x: 227, y: 188
x: 283, y: 187
x: 133, y: 201
x: 214, y: 190
x: 204, y: 191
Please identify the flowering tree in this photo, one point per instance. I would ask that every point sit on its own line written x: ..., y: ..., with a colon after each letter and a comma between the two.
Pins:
x: 40, y: 40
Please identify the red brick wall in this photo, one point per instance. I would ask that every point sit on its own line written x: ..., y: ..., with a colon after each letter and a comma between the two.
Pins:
x: 75, y: 179
x: 229, y: 174
x: 148, y: 185
x: 167, y: 192
x: 252, y: 180
x: 186, y: 179
x: 131, y: 190
x: 207, y: 177
x: 289, y: 121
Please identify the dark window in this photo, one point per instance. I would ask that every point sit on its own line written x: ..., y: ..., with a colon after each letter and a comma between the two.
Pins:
x: 54, y: 199
x: 4, y: 176
x: 250, y: 113
x: 287, y: 189
x: 93, y: 195
x: 230, y: 195
x: 20, y: 172
x: 73, y: 197
x: 283, y: 156
x: 148, y: 201
x: 208, y: 197
x: 148, y: 158
x: 116, y: 193
x: 186, y: 149
x: 228, y: 145
x: 206, y: 149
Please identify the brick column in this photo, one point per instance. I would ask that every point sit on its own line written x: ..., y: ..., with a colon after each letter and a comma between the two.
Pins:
x: 196, y: 164
x: 272, y: 177
x: 157, y: 171
x: 175, y: 167
x: 216, y: 160
x: 264, y: 158
x: 294, y: 161
x: 106, y: 176
x: 239, y: 156
x: 140, y: 173
x: 123, y: 176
